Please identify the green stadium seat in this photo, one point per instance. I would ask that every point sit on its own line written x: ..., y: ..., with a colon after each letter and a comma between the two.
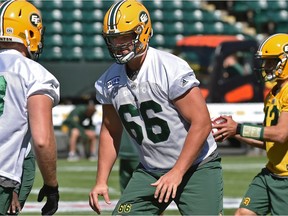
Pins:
x: 173, y: 5
x: 94, y: 41
x: 156, y: 15
x: 91, y: 4
x: 172, y: 16
x: 194, y: 28
x: 154, y: 5
x: 278, y: 5
x: 171, y: 40
x: 93, y: 28
x: 214, y: 28
x: 281, y: 27
x: 73, y: 15
x: 96, y: 15
x: 52, y: 4
x: 51, y: 54
x: 53, y: 40
x: 97, y: 54
x: 73, y: 4
x: 193, y: 15
x: 73, y: 40
x: 53, y: 28
x: 174, y: 28
x: 158, y: 40
x: 37, y: 3
x: 158, y: 27
x: 191, y: 4
x: 72, y: 53
x: 73, y: 28
x: 52, y: 15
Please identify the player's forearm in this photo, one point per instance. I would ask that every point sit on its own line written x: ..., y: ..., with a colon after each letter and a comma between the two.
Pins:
x: 46, y: 156
x: 251, y: 142
x: 194, y: 142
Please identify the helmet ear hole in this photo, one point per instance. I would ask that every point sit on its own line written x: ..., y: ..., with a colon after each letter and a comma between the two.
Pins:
x: 31, y: 34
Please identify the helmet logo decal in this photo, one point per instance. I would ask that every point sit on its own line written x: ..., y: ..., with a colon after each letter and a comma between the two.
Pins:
x: 9, y: 30
x: 143, y: 17
x: 35, y: 19
x: 285, y: 48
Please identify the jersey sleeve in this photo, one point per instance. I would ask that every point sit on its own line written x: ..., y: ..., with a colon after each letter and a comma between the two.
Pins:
x: 284, y: 99
x: 100, y: 92
x: 42, y: 82
x: 183, y: 79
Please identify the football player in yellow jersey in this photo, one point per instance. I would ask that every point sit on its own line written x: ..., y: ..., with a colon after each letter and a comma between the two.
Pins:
x: 268, y: 192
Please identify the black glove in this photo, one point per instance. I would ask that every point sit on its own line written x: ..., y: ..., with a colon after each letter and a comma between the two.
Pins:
x: 52, y: 195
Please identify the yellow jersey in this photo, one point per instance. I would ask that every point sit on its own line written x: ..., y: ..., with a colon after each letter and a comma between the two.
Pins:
x: 277, y: 153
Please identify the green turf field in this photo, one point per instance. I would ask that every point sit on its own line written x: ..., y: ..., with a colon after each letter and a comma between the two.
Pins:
x: 77, y: 178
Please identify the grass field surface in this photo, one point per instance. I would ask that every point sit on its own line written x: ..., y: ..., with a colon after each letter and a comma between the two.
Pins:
x: 77, y: 178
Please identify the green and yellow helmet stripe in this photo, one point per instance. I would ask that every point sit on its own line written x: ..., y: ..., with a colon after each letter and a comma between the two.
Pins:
x: 3, y: 8
x: 112, y: 22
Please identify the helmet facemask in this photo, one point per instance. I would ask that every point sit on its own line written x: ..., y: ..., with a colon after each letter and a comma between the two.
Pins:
x: 134, y: 45
x: 273, y: 52
x: 127, y: 17
x: 272, y: 68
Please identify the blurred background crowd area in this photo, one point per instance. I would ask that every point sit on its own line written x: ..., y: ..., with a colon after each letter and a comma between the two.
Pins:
x: 73, y: 27
x: 75, y: 52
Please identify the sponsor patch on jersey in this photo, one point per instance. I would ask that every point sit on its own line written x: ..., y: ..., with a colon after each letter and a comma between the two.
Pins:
x: 112, y: 82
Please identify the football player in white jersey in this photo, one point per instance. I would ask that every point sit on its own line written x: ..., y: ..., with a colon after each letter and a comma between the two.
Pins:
x: 155, y: 97
x: 28, y: 93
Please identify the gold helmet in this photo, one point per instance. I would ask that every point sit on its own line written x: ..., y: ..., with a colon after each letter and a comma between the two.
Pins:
x: 123, y: 18
x: 274, y: 48
x: 21, y: 22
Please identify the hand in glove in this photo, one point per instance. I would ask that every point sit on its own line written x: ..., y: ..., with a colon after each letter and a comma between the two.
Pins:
x: 52, y: 195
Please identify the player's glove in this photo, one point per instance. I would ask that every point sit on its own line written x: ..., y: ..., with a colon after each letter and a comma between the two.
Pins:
x: 52, y: 195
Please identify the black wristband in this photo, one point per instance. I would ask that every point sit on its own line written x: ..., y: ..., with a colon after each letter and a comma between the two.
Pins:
x: 238, y: 129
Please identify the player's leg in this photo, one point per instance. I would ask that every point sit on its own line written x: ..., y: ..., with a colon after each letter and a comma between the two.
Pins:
x: 256, y: 200
x: 5, y: 199
x: 278, y: 195
x: 27, y: 178
x: 126, y: 169
x: 91, y: 134
x: 138, y: 196
x: 201, y: 190
x: 73, y: 138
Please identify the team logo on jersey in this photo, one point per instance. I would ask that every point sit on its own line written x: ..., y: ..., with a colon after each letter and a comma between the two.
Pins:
x: 246, y: 201
x: 112, y: 82
x: 35, y: 19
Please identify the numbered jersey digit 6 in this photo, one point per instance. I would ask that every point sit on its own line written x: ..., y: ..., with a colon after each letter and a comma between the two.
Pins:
x: 146, y: 109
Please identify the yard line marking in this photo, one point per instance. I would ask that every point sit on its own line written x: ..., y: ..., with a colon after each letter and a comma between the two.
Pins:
x: 82, y: 206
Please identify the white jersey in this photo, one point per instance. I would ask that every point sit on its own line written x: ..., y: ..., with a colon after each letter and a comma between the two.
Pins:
x: 20, y: 78
x: 146, y: 109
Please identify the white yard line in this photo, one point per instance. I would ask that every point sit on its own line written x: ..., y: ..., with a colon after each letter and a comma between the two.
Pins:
x: 82, y: 206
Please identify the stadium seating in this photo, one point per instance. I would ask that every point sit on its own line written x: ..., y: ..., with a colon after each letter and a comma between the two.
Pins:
x: 78, y: 23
